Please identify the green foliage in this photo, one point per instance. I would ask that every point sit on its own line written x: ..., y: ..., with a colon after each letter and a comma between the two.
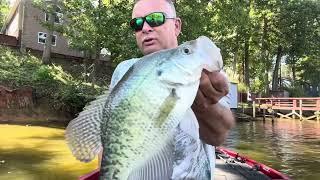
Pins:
x: 242, y: 88
x: 63, y: 91
x: 14, y: 69
x: 93, y: 27
x: 52, y: 8
x: 310, y: 70
x: 194, y: 22
x: 247, y: 32
x: 292, y: 24
x: 296, y: 91
x: 4, y: 10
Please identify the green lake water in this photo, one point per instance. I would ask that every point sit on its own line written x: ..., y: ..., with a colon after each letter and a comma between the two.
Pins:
x: 37, y: 153
x: 290, y: 146
x: 33, y: 152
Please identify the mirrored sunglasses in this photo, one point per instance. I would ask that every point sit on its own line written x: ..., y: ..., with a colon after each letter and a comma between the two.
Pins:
x: 154, y: 19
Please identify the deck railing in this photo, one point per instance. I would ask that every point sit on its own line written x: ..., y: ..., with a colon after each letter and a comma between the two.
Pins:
x: 292, y: 104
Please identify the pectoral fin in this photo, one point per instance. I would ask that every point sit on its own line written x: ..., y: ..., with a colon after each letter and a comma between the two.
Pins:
x: 166, y: 107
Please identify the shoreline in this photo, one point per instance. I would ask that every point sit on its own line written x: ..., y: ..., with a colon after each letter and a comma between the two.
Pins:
x: 50, y: 124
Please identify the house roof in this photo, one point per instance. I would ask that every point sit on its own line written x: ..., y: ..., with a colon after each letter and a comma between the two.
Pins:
x: 11, y: 14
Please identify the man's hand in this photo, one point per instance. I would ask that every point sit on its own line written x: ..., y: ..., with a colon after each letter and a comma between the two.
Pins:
x: 214, y: 120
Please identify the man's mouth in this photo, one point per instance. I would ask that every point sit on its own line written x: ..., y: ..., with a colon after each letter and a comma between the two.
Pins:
x: 148, y: 41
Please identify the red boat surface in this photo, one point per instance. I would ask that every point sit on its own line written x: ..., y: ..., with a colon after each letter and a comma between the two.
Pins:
x: 229, y: 166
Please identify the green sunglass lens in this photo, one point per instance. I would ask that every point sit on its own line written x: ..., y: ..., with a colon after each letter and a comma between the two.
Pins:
x: 139, y: 22
x: 155, y: 19
x: 136, y: 23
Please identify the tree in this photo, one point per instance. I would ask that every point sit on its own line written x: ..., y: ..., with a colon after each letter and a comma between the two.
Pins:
x: 93, y: 27
x: 253, y: 35
x: 4, y: 9
x: 51, y: 9
x: 309, y: 67
x: 52, y: 6
x: 234, y: 29
x: 299, y: 22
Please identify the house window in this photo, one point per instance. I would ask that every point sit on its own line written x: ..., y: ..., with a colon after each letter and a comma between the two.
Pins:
x: 42, y: 38
x: 57, y: 16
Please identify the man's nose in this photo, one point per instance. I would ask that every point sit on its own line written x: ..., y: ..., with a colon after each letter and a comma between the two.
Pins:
x: 146, y: 28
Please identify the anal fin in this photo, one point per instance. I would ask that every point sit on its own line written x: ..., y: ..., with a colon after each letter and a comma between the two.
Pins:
x: 158, y: 167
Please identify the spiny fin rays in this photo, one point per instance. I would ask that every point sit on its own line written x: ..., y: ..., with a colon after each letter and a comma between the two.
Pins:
x: 83, y: 133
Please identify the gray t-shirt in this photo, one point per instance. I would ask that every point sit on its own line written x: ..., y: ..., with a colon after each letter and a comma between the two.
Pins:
x: 190, y: 157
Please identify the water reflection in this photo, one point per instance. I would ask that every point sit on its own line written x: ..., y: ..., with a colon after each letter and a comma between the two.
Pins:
x: 37, y: 153
x: 291, y: 146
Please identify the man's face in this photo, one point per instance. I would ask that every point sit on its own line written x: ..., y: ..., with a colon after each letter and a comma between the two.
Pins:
x: 152, y: 39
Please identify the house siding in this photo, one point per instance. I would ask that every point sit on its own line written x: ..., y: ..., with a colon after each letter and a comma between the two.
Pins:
x: 31, y: 27
x: 8, y: 40
x: 13, y: 29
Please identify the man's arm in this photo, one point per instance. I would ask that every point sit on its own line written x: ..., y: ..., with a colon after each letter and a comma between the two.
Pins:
x: 215, y: 120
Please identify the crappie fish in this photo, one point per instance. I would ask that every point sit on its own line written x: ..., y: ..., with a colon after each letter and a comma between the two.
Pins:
x: 136, y: 120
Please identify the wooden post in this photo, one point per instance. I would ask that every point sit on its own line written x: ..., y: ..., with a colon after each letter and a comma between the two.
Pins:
x: 294, y: 105
x: 318, y: 107
x: 300, y: 109
x: 264, y: 114
x: 254, y: 109
x: 273, y: 116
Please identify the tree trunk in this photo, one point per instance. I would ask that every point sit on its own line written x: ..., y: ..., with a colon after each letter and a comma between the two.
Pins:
x: 266, y: 80
x: 314, y: 92
x: 246, y: 63
x: 98, y: 48
x: 95, y: 67
x: 242, y: 79
x: 275, y: 76
x: 85, y: 65
x: 21, y: 27
x: 234, y: 63
x: 47, y: 46
x: 293, y: 73
x: 264, y: 53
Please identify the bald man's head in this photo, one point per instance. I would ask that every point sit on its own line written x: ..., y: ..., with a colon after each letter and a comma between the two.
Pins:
x: 154, y: 38
x: 170, y: 2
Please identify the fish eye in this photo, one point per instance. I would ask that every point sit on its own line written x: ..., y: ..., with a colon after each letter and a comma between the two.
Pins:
x: 186, y: 50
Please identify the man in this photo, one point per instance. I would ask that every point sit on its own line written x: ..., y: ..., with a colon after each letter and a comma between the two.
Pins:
x: 214, y: 119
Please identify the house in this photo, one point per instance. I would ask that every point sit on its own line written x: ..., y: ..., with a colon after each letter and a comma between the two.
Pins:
x: 233, y: 95
x: 23, y: 22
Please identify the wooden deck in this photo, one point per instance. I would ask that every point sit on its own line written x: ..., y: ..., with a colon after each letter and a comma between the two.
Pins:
x: 295, y: 107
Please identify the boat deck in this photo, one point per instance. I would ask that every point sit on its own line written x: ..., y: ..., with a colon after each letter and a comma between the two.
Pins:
x: 228, y: 168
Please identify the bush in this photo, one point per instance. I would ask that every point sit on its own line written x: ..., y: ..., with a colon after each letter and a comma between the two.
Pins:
x: 296, y: 91
x: 242, y: 88
x: 64, y: 91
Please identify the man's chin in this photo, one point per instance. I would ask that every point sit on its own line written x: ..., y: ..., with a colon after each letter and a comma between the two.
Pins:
x: 150, y: 49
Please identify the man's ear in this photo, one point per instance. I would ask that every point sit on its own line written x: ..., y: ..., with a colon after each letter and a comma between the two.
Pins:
x: 178, y: 24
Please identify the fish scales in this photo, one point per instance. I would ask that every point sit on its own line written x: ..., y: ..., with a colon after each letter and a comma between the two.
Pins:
x: 133, y: 106
x: 135, y: 123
